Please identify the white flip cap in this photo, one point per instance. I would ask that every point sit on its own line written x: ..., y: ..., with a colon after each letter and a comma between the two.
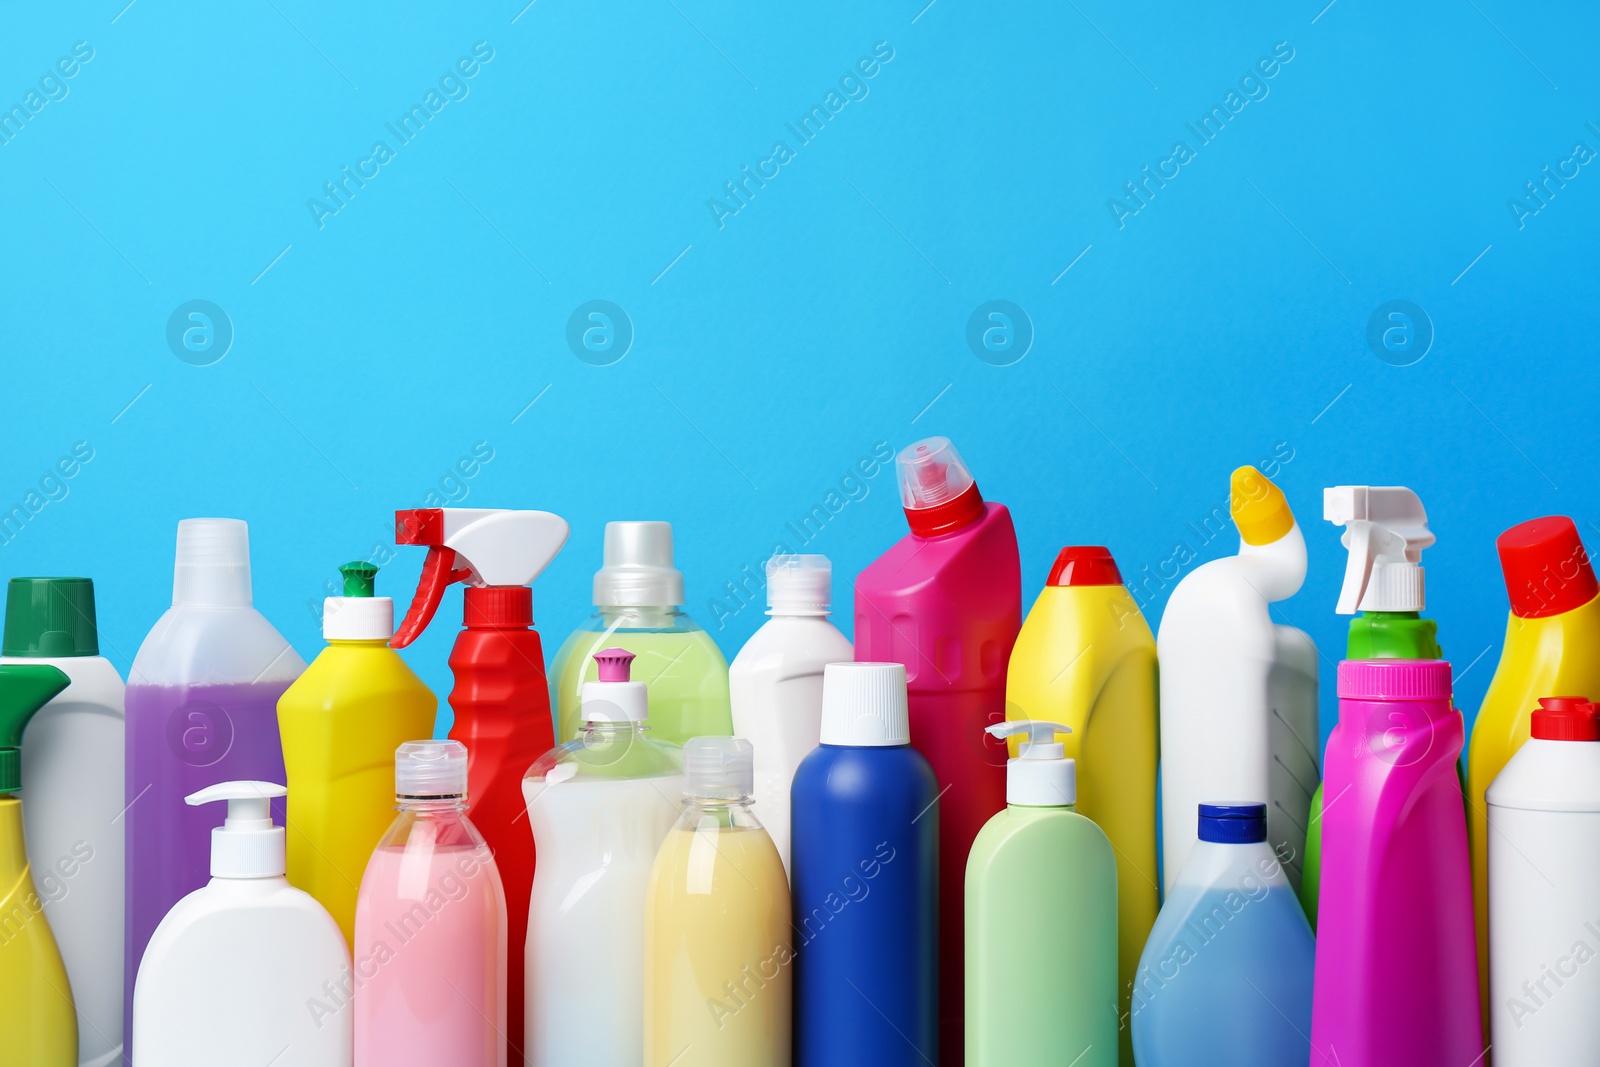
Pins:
x: 799, y: 585
x: 864, y: 704
x: 1041, y: 776
x: 358, y: 618
x: 636, y: 570
x: 247, y: 844
x: 213, y: 563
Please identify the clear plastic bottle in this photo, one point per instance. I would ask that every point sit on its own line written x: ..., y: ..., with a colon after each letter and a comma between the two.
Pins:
x: 718, y: 980
x: 638, y: 594
x: 430, y: 960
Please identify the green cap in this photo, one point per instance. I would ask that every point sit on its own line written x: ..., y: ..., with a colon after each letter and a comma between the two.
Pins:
x: 360, y: 578
x: 24, y: 689
x: 50, y: 617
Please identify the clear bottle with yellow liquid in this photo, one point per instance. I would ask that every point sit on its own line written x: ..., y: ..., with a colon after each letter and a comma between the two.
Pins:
x: 341, y: 722
x: 1086, y: 658
x: 38, y: 1024
x: 1552, y: 648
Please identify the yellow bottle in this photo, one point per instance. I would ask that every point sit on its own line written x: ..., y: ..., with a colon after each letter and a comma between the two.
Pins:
x: 1085, y: 658
x: 38, y: 1022
x: 340, y: 723
x: 1552, y: 648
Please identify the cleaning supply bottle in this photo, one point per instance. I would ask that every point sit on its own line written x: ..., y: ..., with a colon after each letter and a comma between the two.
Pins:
x: 865, y: 874
x: 1041, y: 919
x: 1544, y: 862
x: 38, y: 1026
x: 501, y: 698
x: 638, y: 596
x: 1226, y: 978
x: 1239, y: 692
x: 240, y: 970
x: 1395, y: 976
x: 430, y: 959
x: 202, y: 705
x: 1086, y: 657
x: 718, y: 952
x: 946, y: 601
x: 1386, y: 530
x: 600, y: 807
x: 341, y: 722
x: 775, y: 682
x: 72, y: 758
x: 1552, y: 646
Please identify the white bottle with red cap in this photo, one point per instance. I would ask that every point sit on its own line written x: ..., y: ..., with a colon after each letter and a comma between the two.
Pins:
x: 1544, y: 871
x: 775, y: 682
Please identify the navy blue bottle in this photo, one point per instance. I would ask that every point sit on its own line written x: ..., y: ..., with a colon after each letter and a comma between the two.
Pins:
x: 865, y: 821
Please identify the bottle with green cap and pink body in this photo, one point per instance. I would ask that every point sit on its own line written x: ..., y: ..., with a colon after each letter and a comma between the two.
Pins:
x: 72, y: 757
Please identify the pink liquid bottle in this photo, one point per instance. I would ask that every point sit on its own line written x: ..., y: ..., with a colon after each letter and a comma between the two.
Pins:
x: 946, y: 601
x: 1396, y: 975
x: 430, y: 960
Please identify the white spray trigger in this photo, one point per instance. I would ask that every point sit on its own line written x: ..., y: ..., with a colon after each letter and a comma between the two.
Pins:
x: 247, y: 844
x: 1386, y: 530
x: 1041, y: 776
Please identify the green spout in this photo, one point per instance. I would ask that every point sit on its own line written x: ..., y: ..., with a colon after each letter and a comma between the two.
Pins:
x: 24, y: 689
x: 360, y: 578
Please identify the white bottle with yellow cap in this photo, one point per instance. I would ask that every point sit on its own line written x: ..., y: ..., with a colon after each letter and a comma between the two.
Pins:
x: 1239, y: 691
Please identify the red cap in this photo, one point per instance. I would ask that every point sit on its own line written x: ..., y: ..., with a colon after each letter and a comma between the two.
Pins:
x: 501, y: 607
x: 1085, y: 565
x: 953, y: 514
x: 1546, y: 567
x: 1566, y: 719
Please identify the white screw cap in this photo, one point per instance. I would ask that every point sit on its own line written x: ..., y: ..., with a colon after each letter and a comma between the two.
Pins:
x: 864, y: 704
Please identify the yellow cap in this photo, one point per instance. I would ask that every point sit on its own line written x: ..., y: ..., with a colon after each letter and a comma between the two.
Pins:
x: 1259, y: 508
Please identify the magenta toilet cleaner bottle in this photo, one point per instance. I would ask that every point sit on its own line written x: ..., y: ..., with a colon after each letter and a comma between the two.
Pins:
x: 202, y: 708
x: 1396, y: 973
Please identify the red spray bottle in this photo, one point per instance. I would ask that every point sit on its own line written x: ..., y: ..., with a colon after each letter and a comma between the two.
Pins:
x: 501, y: 697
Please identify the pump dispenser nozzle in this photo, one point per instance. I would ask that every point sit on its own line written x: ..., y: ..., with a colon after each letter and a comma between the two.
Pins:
x: 247, y: 844
x: 1040, y: 776
x: 1386, y: 530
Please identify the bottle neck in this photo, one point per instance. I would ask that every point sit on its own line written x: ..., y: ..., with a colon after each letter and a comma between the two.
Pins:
x: 638, y: 617
x: 431, y: 805
x: 723, y: 813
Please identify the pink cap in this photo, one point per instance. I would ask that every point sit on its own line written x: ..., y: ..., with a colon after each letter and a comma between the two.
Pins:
x: 1394, y: 679
x: 613, y: 664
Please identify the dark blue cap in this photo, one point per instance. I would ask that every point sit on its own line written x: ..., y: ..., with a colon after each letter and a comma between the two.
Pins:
x: 1233, y: 824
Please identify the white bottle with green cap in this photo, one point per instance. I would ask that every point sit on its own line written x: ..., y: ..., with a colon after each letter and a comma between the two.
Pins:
x: 72, y: 756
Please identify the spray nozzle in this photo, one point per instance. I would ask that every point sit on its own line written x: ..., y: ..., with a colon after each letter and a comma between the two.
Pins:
x: 247, y: 844
x: 360, y: 578
x: 23, y: 691
x: 1041, y: 776
x: 483, y: 547
x: 1386, y: 530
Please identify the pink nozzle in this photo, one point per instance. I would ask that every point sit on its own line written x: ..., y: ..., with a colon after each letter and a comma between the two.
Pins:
x: 613, y: 664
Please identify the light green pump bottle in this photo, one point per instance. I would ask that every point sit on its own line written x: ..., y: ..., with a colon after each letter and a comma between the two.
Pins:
x: 1041, y: 920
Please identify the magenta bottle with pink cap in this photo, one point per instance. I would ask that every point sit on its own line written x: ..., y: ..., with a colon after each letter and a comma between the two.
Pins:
x: 1396, y: 976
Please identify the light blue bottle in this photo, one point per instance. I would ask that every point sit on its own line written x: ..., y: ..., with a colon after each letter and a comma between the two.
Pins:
x: 1225, y: 979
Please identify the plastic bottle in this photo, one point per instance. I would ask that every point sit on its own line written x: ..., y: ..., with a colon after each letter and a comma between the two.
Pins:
x: 1041, y: 920
x: 1544, y: 862
x: 1552, y: 645
x: 600, y: 807
x: 866, y: 864
x: 1386, y: 530
x: 243, y: 969
x: 946, y: 601
x: 202, y: 703
x: 38, y: 1026
x: 501, y: 697
x: 73, y: 760
x: 638, y: 595
x: 1226, y: 978
x: 1239, y: 692
x: 775, y: 682
x: 718, y: 951
x: 1086, y: 657
x: 341, y: 723
x: 430, y: 961
x: 1394, y: 978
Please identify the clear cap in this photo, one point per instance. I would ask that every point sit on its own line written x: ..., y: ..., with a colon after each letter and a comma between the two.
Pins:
x: 864, y: 704
x: 719, y: 768
x: 931, y: 472
x: 799, y: 585
x: 636, y: 568
x: 213, y: 563
x: 425, y: 769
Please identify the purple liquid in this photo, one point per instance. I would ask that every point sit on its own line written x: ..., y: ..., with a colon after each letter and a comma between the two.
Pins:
x: 182, y: 739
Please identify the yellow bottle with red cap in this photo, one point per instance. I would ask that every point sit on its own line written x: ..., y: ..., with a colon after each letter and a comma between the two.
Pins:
x: 1086, y: 658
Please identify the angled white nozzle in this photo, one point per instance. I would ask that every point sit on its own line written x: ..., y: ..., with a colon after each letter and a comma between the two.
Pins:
x: 1386, y: 530
x: 1041, y: 776
x: 504, y: 547
x: 247, y: 844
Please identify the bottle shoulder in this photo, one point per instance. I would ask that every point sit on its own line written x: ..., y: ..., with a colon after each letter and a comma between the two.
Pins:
x: 1550, y: 776
x: 862, y: 772
x: 787, y: 644
x: 195, y: 645
x: 358, y: 668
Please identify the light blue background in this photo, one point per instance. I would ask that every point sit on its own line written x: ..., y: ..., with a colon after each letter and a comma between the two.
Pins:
x: 829, y: 314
